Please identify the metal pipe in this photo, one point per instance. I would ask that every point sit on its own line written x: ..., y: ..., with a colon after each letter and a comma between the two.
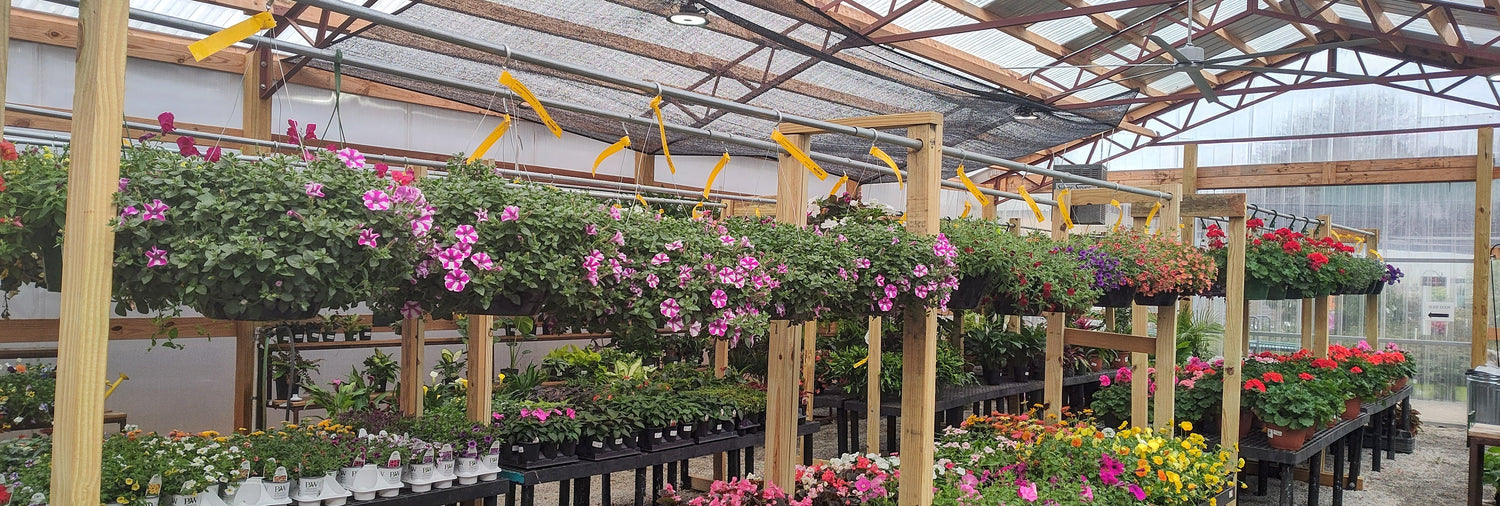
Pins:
x: 322, y: 54
x: 1347, y: 228
x: 392, y: 21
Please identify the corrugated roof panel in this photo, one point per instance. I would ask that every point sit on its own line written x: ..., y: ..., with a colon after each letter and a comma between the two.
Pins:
x: 930, y: 16
x: 1281, y: 37
x: 998, y: 48
x: 1013, y: 8
x: 1063, y: 30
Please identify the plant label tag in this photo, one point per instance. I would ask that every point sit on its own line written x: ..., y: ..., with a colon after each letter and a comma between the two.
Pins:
x: 383, y: 435
x: 495, y: 448
x: 1273, y: 433
x: 672, y: 433
x: 244, y: 471
x: 596, y: 444
x: 421, y: 473
x: 310, y: 487
x: 185, y: 500
x: 346, y: 475
x: 446, y: 453
x: 359, y: 461
x: 187, y: 486
x: 394, y: 461
x: 517, y: 449
x: 445, y: 467
x: 363, y: 434
x: 280, y: 475
x: 468, y: 465
x: 655, y: 435
x: 491, y: 460
x: 38, y: 498
x: 153, y: 487
x: 390, y: 474
x: 428, y: 457
x: 279, y: 490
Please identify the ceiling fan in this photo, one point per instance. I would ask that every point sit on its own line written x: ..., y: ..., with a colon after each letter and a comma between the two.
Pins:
x: 1190, y: 59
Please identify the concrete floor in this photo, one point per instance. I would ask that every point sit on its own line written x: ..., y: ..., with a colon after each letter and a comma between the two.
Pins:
x: 1434, y: 475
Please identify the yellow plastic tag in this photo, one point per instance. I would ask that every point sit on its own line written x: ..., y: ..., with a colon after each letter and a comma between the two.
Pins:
x: 877, y: 153
x: 642, y: 200
x: 484, y: 147
x: 1032, y: 202
x: 661, y: 126
x: 903, y: 218
x: 1121, y: 217
x: 757, y: 212
x: 723, y: 160
x: 801, y: 157
x: 984, y: 200
x: 967, y: 208
x: 861, y: 362
x: 1062, y: 205
x: 1152, y: 215
x: 697, y: 210
x: 623, y: 143
x: 840, y: 184
x: 211, y: 44
x: 536, y: 105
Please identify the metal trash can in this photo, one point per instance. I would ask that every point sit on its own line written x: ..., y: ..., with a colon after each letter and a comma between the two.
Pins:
x: 1484, y: 395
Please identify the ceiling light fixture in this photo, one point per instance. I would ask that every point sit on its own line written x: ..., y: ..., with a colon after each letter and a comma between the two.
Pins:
x: 1495, y: 77
x: 689, y: 14
x: 1024, y: 114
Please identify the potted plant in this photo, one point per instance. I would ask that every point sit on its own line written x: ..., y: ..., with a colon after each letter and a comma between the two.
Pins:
x: 351, y: 394
x: 823, y: 268
x: 381, y: 370
x: 573, y: 363
x: 27, y: 393
x: 1292, y: 408
x: 981, y: 261
x: 32, y: 204
x: 894, y: 267
x: 1041, y: 279
x: 1109, y: 276
x: 283, y: 365
x: 986, y: 339
x: 258, y: 240
x: 606, y: 431
x: 539, y: 433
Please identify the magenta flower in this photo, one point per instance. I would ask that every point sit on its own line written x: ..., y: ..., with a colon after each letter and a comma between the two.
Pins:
x: 674, y: 245
x: 313, y: 189
x: 156, y: 257
x: 541, y: 414
x: 879, y: 280
x: 614, y: 212
x: 411, y: 310
x: 618, y: 239
x: 452, y: 259
x: 718, y: 328
x: 863, y: 263
x: 660, y: 258
x: 352, y: 158
x: 652, y: 280
x: 886, y: 304
x: 367, y: 237
x: 466, y: 234
x: 421, y: 225
x: 482, y: 215
x: 156, y: 210
x: 719, y: 299
x: 1028, y: 492
x: 187, y: 146
x: 749, y: 263
x: 124, y: 182
x: 590, y: 229
x: 456, y: 280
x: 1135, y: 490
x: 920, y: 291
x: 167, y: 121
x: 571, y: 413
x: 728, y: 240
x: 483, y: 261
x: 376, y: 200
x: 510, y: 213
x: 891, y: 291
x: 919, y: 271
x: 214, y: 153
x: 128, y: 211
x: 670, y: 308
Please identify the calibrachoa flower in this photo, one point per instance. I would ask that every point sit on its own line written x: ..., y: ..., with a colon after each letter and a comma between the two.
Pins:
x: 367, y: 237
x: 510, y: 213
x: 456, y: 280
x: 156, y: 257
x: 352, y: 158
x: 377, y: 200
x: 156, y: 210
x: 465, y: 234
x: 313, y: 189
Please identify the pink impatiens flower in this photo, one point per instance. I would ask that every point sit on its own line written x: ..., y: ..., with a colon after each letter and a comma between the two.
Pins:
x: 1104, y: 380
x: 156, y: 257
x: 313, y: 189
x: 367, y: 237
x: 466, y: 234
x: 510, y: 213
x: 352, y: 158
x: 377, y: 200
x: 456, y: 280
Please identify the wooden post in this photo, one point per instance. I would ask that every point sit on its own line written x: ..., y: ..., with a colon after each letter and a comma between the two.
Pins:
x: 413, y: 347
x: 4, y: 57
x: 1484, y: 172
x: 645, y: 169
x: 956, y: 339
x: 481, y: 367
x: 1307, y: 323
x: 1235, y: 310
x: 1052, y: 373
x: 919, y: 340
x: 1166, y: 327
x: 1321, y: 304
x: 809, y: 366
x: 781, y: 376
x: 990, y: 212
x: 1372, y: 301
x: 256, y: 119
x: 1013, y: 322
x: 1139, y: 362
x: 872, y: 377
x: 88, y: 252
x: 721, y: 366
x: 244, y: 376
x: 1189, y: 187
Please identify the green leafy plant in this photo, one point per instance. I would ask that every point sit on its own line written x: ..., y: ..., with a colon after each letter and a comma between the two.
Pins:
x: 381, y: 370
x: 573, y: 363
x: 32, y: 205
x: 350, y: 394
x: 537, y: 421
x: 1293, y: 402
x: 27, y: 393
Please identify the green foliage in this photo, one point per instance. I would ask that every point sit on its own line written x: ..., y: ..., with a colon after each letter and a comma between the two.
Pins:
x: 847, y: 367
x: 381, y: 368
x: 1041, y: 280
x: 27, y: 393
x: 573, y: 363
x: 1297, y: 404
x: 528, y: 421
x: 992, y: 346
x: 351, y: 394
x: 1194, y: 332
x: 812, y: 287
x: 32, y: 202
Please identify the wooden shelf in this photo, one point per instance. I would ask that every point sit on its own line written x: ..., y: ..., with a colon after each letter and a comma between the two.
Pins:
x: 431, y: 341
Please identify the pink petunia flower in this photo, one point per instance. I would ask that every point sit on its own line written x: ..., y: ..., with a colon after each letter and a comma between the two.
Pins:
x: 886, y: 304
x: 377, y: 200
x: 452, y: 259
x: 128, y: 211
x: 156, y: 257
x: 590, y: 229
x: 674, y: 245
x: 483, y: 261
x: 313, y: 189
x: 670, y: 308
x: 352, y: 158
x: 652, y: 280
x: 919, y: 271
x: 719, y: 299
x: 510, y: 213
x: 618, y: 239
x: 421, y: 225
x: 156, y: 210
x: 456, y: 280
x: 411, y: 309
x: 167, y: 121
x: 186, y: 146
x: 214, y: 153
x: 124, y: 182
x: 465, y: 234
x: 367, y: 237
x: 660, y: 258
x: 482, y: 215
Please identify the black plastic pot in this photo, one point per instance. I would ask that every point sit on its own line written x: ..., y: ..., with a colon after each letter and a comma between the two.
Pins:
x: 590, y: 449
x: 284, y: 390
x: 530, y: 302
x: 1158, y: 300
x: 1119, y: 297
x: 259, y: 311
x: 993, y: 375
x: 970, y: 290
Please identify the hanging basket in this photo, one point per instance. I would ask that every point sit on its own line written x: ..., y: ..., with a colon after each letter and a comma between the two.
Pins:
x: 258, y: 310
x: 1119, y: 297
x: 530, y: 302
x: 970, y: 290
x: 1157, y: 300
x: 1256, y: 289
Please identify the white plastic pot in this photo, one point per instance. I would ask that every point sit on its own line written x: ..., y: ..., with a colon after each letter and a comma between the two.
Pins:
x: 420, y: 477
x: 388, y: 481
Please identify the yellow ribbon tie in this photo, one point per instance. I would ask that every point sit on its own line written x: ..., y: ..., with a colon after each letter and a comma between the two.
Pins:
x: 903, y: 218
x: 211, y: 44
x: 1121, y: 217
x: 1032, y: 202
x: 797, y: 154
x: 723, y: 160
x: 661, y: 126
x: 984, y: 200
x: 612, y: 149
x: 697, y: 210
x: 757, y: 212
x: 642, y: 200
x: 840, y: 184
x: 484, y: 147
x: 1152, y: 214
x: 877, y: 153
x: 536, y: 105
x: 1062, y: 205
x: 1377, y: 255
x: 861, y: 362
x: 967, y: 208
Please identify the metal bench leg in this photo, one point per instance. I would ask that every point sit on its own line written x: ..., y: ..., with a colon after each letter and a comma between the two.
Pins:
x: 749, y: 459
x: 892, y: 441
x: 1356, y: 455
x: 528, y: 495
x: 683, y: 479
x: 657, y: 477
x: 605, y: 497
x: 1476, y: 473
x: 1338, y: 471
x: 640, y: 486
x: 563, y: 493
x: 1286, y: 485
x: 1314, y: 473
x: 733, y: 458
x: 1375, y: 455
x: 841, y: 419
x: 1262, y: 477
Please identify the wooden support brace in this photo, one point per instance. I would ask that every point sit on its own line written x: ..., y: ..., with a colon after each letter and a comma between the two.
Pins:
x: 1139, y: 362
x: 1166, y: 324
x: 1321, y: 304
x: 785, y: 340
x: 481, y: 367
x: 1372, y: 301
x: 873, y: 336
x: 1110, y: 341
x: 1483, y: 194
x: 1235, y: 332
x: 244, y: 376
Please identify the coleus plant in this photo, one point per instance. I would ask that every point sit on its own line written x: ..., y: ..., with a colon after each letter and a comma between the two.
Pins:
x: 259, y: 239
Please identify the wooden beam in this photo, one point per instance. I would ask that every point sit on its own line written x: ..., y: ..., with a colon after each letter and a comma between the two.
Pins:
x: 481, y: 368
x: 1052, y: 373
x: 1443, y: 26
x: 1442, y: 169
x: 1139, y: 362
x: 1110, y: 340
x: 1166, y: 328
x: 1372, y: 301
x: 1221, y: 205
x: 1088, y: 196
x: 255, y: 123
x: 1381, y: 21
x: 872, y: 377
x: 785, y: 339
x: 919, y: 330
x: 413, y: 346
x: 1235, y: 316
x: 876, y: 122
x: 4, y: 57
x: 1483, y: 191
x: 88, y: 252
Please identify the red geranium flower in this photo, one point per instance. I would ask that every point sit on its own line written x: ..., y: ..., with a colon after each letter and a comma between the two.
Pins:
x: 8, y: 151
x: 1324, y: 363
x: 1305, y: 376
x: 1255, y: 223
x: 1356, y: 370
x: 1292, y: 247
x: 1255, y: 384
x: 1272, y: 376
x: 1316, y: 260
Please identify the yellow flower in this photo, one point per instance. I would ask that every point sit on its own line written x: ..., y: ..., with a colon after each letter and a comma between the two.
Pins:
x: 129, y: 481
x: 1186, y: 425
x: 135, y: 486
x: 122, y: 500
